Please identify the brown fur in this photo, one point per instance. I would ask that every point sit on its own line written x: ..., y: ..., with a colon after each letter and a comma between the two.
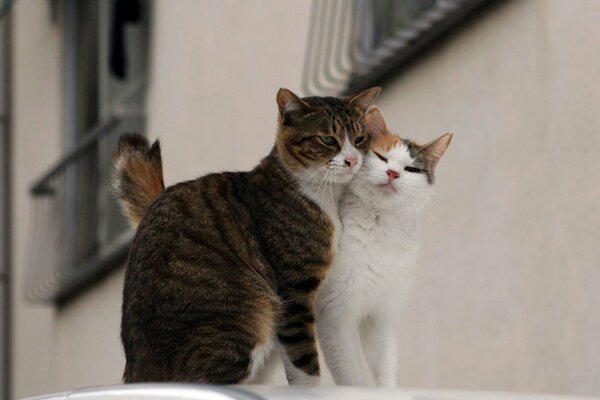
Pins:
x: 317, y: 117
x: 385, y: 142
x: 137, y: 175
x: 220, y: 263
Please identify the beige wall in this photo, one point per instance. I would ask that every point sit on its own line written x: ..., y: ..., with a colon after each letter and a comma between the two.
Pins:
x: 37, y: 121
x: 507, y: 296
x: 214, y: 76
x: 509, y: 266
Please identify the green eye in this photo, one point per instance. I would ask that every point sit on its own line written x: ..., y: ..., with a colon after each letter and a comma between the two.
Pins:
x: 359, y: 140
x: 328, y: 140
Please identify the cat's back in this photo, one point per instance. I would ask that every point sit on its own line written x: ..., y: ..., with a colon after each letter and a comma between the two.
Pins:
x: 197, y: 218
x: 195, y: 270
x: 191, y: 198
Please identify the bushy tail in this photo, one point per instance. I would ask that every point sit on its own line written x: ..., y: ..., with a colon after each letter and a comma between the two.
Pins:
x: 137, y: 175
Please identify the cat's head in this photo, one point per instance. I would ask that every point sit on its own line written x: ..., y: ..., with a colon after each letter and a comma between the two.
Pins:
x: 397, y: 173
x: 323, y: 139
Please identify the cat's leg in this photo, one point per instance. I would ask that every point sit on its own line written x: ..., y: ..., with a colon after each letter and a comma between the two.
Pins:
x: 296, y: 337
x: 225, y: 347
x: 340, y: 342
x: 381, y: 350
x: 294, y: 374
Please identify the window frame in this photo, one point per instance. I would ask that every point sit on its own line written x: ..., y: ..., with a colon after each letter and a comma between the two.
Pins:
x: 339, y: 61
x: 76, y: 273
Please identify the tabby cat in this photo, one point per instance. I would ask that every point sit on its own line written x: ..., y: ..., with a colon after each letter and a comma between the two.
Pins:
x: 224, y: 268
x: 359, y: 301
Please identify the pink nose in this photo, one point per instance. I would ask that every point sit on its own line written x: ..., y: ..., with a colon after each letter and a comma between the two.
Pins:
x: 392, y: 174
x: 351, y: 161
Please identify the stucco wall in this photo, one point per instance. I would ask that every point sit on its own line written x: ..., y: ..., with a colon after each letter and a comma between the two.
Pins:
x: 216, y: 67
x: 36, y: 143
x: 507, y: 296
x: 509, y: 269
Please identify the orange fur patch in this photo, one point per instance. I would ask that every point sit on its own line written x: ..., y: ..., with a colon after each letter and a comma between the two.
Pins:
x: 385, y: 143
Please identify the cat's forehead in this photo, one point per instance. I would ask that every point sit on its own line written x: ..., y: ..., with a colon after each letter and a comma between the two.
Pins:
x: 394, y: 147
x: 401, y: 153
x: 385, y: 143
x: 335, y: 109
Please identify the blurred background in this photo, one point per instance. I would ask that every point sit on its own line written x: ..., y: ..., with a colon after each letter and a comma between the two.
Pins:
x: 507, y: 293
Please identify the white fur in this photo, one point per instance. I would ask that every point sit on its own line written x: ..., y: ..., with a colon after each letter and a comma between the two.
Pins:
x: 258, y: 358
x: 359, y: 302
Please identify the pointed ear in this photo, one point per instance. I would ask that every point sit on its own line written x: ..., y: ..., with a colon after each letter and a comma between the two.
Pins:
x: 289, y: 103
x: 375, y: 123
x: 364, y: 100
x: 435, y: 149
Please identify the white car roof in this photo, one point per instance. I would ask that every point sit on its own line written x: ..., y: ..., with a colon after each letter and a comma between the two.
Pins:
x: 181, y: 391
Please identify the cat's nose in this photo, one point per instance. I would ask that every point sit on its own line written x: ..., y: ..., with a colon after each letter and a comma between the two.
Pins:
x: 351, y: 161
x: 392, y: 174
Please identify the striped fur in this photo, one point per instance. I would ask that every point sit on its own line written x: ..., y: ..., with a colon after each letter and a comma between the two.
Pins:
x: 225, y: 267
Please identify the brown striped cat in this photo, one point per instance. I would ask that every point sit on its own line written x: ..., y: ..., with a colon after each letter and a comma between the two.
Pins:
x: 224, y: 268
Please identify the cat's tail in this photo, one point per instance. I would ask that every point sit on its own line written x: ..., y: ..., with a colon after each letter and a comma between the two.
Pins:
x: 137, y: 175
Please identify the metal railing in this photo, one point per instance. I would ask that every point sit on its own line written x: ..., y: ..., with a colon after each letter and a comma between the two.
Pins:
x: 354, y: 44
x: 77, y: 232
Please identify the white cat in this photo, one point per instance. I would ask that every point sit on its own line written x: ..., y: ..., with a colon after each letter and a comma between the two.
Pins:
x: 358, y: 303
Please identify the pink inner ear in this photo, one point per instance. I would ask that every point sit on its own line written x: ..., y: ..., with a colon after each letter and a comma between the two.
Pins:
x: 363, y: 100
x: 288, y: 101
x: 375, y: 123
x: 437, y: 148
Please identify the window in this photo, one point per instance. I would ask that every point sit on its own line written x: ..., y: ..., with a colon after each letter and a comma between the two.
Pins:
x: 356, y: 44
x: 78, y: 232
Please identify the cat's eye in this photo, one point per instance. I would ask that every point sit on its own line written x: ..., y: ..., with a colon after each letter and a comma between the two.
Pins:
x: 382, y: 158
x: 328, y: 140
x: 413, y: 169
x: 359, y: 140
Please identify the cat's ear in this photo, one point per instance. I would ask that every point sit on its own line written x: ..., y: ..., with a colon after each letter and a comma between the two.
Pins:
x: 435, y: 149
x: 364, y: 100
x: 290, y: 104
x: 374, y: 122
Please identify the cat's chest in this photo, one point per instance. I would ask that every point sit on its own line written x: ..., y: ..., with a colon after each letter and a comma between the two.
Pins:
x: 382, y: 241
x: 329, y: 206
x: 376, y: 262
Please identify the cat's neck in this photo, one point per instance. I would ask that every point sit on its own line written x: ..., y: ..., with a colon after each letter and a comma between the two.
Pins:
x: 375, y: 215
x: 324, y: 195
x: 272, y: 168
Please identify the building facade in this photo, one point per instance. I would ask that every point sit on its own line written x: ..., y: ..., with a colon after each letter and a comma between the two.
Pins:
x: 506, y: 294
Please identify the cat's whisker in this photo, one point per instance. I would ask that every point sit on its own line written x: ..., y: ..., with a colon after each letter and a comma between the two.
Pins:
x: 331, y: 189
x: 318, y: 193
x: 309, y: 180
